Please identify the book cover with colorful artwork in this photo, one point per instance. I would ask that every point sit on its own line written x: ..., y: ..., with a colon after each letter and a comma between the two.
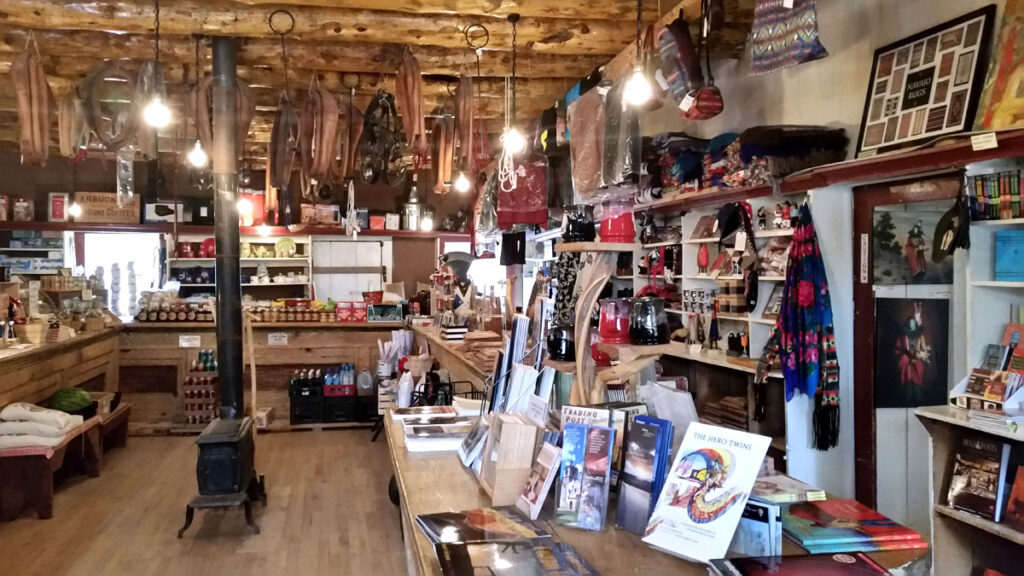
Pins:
x: 1015, y: 507
x: 839, y: 521
x: 484, y: 524
x: 597, y: 463
x: 868, y: 546
x: 570, y: 477
x: 755, y: 534
x: 526, y: 557
x: 702, y: 501
x: 621, y: 419
x: 538, y: 484
x: 813, y: 565
x: 636, y: 490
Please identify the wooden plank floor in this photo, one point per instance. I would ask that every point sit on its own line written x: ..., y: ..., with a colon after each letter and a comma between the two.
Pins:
x: 328, y: 513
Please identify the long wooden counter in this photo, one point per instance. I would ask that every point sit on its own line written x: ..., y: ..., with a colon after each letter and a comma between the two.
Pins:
x: 154, y: 364
x: 451, y: 357
x: 437, y: 482
x: 32, y: 373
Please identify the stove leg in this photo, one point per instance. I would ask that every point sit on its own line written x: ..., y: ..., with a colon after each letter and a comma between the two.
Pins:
x: 189, y: 514
x: 248, y: 517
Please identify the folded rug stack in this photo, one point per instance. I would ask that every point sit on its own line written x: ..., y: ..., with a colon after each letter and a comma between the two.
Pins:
x: 23, y: 424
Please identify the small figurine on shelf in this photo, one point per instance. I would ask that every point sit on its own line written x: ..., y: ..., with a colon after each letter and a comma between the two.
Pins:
x: 787, y: 215
x: 733, y: 347
x: 700, y: 328
x: 703, y: 259
x: 745, y: 343
x: 777, y: 220
x: 736, y: 269
x: 762, y: 218
x: 713, y: 335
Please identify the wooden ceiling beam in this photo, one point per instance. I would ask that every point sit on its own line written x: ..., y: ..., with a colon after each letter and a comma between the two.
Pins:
x: 574, y: 9
x: 320, y: 24
x: 363, y: 58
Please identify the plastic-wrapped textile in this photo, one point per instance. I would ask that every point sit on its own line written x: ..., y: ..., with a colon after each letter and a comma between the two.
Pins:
x: 125, y: 175
x: 559, y: 181
x: 527, y: 202
x: 587, y: 125
x: 789, y: 149
x: 622, y: 142
x: 487, y: 214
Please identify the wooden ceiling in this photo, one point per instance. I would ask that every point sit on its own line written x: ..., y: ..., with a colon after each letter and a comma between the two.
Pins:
x: 559, y: 42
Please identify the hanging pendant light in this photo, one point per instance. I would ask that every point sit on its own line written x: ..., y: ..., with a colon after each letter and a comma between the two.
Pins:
x: 638, y: 88
x: 462, y: 183
x: 513, y: 142
x: 197, y: 157
x: 156, y: 113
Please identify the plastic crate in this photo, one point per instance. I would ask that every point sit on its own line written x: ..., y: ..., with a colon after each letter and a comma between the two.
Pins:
x: 306, y: 405
x: 339, y: 408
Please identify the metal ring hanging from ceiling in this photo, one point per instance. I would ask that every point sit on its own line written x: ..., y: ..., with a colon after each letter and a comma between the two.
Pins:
x: 474, y: 33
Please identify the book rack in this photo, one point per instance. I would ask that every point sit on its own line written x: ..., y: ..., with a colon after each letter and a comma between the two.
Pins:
x: 508, y: 457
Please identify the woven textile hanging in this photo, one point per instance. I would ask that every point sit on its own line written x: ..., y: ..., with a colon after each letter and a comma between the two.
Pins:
x: 782, y: 37
x: 803, y: 339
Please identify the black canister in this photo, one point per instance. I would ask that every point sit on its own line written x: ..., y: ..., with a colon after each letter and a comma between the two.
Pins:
x: 579, y: 225
x: 562, y: 343
x: 648, y: 324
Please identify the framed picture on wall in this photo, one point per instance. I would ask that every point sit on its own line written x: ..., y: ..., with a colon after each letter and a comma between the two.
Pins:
x: 927, y: 85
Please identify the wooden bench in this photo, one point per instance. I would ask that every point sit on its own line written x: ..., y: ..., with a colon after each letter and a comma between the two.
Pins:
x: 114, y: 427
x: 27, y: 474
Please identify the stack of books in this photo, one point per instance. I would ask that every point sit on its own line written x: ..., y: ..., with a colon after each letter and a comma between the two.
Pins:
x: 817, y: 564
x: 729, y: 412
x: 432, y: 428
x: 780, y: 488
x: 995, y: 196
x: 454, y: 333
x: 838, y: 526
x: 759, y: 533
x: 497, y: 541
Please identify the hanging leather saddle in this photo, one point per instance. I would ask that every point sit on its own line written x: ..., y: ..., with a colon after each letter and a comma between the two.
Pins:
x: 200, y: 104
x: 114, y: 126
x: 318, y: 133
x: 380, y: 150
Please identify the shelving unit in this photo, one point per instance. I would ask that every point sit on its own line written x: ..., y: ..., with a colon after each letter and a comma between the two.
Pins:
x: 32, y: 261
x: 594, y: 247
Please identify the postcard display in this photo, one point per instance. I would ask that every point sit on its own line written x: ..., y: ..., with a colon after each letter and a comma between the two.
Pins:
x: 927, y: 85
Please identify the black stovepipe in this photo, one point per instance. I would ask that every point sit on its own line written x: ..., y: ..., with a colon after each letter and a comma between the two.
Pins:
x: 225, y: 180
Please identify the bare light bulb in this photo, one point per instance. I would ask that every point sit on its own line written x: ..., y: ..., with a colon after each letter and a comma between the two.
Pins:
x: 75, y: 210
x: 427, y: 224
x: 263, y: 230
x: 156, y: 113
x: 197, y: 156
x: 462, y: 183
x: 244, y: 206
x: 638, y: 88
x: 513, y: 141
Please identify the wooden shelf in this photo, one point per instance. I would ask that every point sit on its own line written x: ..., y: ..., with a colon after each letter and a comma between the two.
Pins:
x: 772, y: 278
x: 702, y: 241
x: 706, y: 197
x: 760, y: 320
x: 251, y: 285
x: 733, y: 317
x: 564, y: 367
x: 660, y: 244
x: 962, y: 418
x: 1004, y: 531
x: 996, y: 284
x: 8, y: 249
x: 773, y: 233
x: 1008, y: 222
x: 595, y: 247
x: 682, y: 351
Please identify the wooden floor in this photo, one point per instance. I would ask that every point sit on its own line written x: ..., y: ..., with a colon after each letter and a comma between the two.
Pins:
x: 328, y: 513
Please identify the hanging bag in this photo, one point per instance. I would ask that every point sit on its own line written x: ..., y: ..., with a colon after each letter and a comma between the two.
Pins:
x: 704, y: 102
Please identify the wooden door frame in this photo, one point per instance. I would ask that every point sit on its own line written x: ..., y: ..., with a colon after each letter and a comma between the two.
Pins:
x: 865, y: 200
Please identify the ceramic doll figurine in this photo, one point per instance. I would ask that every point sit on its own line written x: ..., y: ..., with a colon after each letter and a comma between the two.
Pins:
x: 762, y: 218
x: 736, y: 270
x: 787, y: 215
x: 713, y: 334
x: 777, y: 219
x: 700, y: 329
x: 703, y: 259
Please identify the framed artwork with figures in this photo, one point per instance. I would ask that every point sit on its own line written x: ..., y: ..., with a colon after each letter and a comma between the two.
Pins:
x: 927, y: 85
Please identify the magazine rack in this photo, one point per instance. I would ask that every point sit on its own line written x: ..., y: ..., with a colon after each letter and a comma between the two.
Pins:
x: 508, y: 457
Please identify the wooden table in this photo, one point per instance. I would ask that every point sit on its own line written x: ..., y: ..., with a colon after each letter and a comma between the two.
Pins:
x: 437, y: 482
x: 450, y: 357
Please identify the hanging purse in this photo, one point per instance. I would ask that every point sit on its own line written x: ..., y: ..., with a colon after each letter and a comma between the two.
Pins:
x: 680, y: 66
x: 650, y: 61
x: 704, y: 102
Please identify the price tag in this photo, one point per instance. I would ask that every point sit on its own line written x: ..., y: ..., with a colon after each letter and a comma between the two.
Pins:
x: 986, y: 141
x: 865, y: 255
x: 741, y: 241
x: 787, y: 4
x: 86, y: 295
x: 695, y: 349
x: 277, y: 339
x: 687, y: 103
x: 188, y: 341
x: 202, y: 211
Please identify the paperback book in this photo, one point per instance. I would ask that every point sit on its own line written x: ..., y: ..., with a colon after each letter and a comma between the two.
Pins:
x: 585, y: 415
x: 1015, y: 507
x: 621, y: 419
x: 663, y: 459
x: 522, y: 558
x: 539, y: 482
x: 782, y: 488
x: 636, y: 490
x: 480, y: 525
x: 1009, y: 256
x: 435, y: 438
x: 842, y: 525
x: 698, y: 509
x: 585, y: 476
x: 473, y: 444
x: 979, y: 476
x: 759, y: 532
x: 813, y: 565
x: 422, y: 412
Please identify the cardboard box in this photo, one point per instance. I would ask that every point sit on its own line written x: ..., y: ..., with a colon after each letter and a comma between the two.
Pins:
x: 102, y: 208
x: 58, y: 207
x: 385, y: 313
x: 377, y: 222
x: 23, y: 210
x: 164, y: 211
x: 103, y: 402
x: 392, y: 221
x: 359, y: 312
x: 264, y: 416
x: 4, y: 207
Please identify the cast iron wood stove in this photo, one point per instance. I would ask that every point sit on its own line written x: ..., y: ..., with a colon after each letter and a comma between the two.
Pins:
x: 226, y: 471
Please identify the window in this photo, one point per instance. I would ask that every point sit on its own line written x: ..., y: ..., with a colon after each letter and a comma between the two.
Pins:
x: 140, y: 251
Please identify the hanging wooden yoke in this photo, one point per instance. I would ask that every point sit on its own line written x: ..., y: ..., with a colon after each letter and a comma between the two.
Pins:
x: 72, y: 131
x: 34, y: 96
x: 200, y: 107
x: 318, y: 133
